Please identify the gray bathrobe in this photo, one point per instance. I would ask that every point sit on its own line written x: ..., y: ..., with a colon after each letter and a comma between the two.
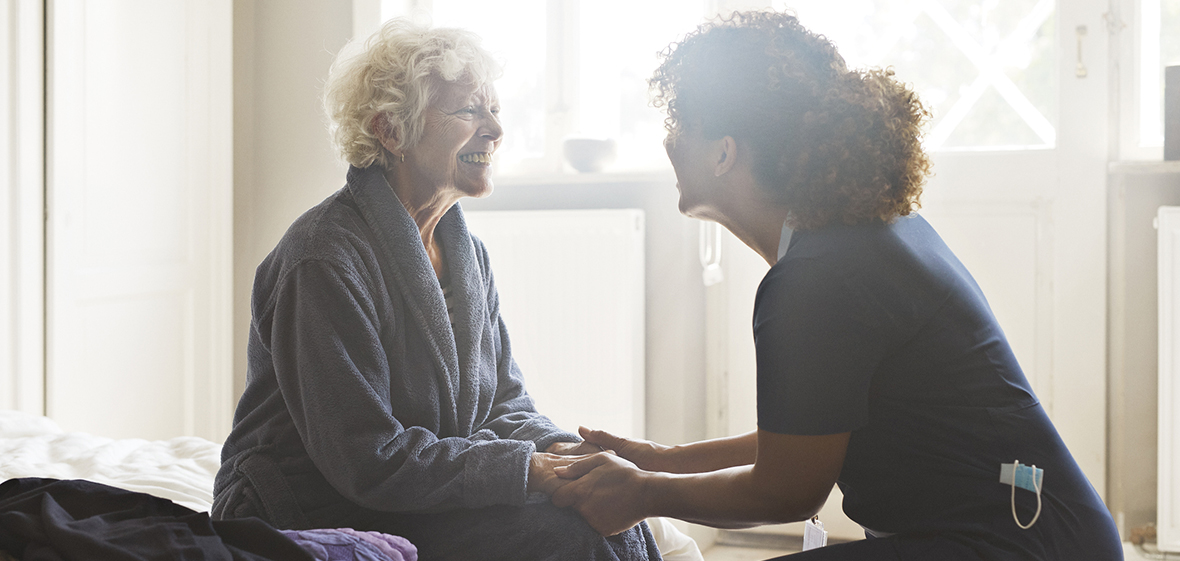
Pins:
x: 366, y: 407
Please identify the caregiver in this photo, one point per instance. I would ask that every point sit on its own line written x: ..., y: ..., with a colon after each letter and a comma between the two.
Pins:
x: 381, y: 393
x: 880, y: 366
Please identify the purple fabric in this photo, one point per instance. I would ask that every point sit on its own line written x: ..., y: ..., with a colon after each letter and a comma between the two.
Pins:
x: 396, y: 547
x: 346, y: 544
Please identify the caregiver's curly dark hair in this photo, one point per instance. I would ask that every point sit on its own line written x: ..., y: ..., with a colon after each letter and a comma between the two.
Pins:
x: 833, y: 143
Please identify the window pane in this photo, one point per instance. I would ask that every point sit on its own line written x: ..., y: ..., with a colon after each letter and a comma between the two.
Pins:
x: 1170, y: 32
x: 985, y: 69
x: 1160, y: 48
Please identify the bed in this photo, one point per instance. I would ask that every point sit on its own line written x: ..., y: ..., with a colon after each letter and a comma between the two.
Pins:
x: 182, y: 470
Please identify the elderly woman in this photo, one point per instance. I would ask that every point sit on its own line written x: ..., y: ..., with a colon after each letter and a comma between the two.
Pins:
x: 880, y: 366
x: 382, y: 394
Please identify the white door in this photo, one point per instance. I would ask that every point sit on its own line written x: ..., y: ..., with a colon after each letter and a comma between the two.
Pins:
x: 22, y: 192
x: 139, y: 232
x: 1018, y: 89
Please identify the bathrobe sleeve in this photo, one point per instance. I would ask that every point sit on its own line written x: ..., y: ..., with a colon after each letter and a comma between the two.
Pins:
x: 334, y: 375
x: 514, y: 415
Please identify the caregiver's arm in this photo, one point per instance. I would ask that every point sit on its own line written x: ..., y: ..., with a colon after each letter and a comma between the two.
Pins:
x: 789, y: 481
x: 695, y: 457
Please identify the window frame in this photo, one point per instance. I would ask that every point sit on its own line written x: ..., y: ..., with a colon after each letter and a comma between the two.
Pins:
x: 563, y: 54
x: 1125, y: 24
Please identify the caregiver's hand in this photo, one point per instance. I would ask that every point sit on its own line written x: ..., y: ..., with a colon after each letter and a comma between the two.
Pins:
x: 541, y: 472
x: 645, y: 454
x: 608, y: 491
x: 573, y: 448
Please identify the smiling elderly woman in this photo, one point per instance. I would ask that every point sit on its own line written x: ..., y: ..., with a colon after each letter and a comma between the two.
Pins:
x: 382, y: 394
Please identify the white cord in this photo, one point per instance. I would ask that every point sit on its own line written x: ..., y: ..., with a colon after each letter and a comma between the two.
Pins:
x: 710, y: 253
x: 1015, y: 468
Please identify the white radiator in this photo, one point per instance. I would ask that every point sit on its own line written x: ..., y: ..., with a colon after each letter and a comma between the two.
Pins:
x: 571, y: 286
x: 1168, y: 498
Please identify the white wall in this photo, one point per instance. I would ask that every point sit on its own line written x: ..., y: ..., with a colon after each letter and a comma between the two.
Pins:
x: 283, y: 161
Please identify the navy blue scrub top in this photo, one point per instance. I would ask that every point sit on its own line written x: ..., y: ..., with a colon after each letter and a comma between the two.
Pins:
x: 880, y: 331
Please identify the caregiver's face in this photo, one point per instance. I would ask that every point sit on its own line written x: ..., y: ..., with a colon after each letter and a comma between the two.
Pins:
x: 460, y: 135
x: 688, y: 152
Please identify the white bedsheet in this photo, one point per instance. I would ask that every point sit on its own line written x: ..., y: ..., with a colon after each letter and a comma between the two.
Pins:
x: 179, y: 469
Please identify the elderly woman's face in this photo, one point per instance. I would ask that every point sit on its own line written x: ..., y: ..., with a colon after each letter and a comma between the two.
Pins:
x: 461, y: 132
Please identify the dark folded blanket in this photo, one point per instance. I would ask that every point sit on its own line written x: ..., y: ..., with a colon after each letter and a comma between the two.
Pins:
x: 79, y: 519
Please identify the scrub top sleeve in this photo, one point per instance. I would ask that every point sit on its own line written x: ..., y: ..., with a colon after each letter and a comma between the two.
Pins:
x: 819, y: 334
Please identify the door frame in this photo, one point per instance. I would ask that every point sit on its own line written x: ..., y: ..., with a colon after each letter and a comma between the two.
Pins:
x: 22, y: 204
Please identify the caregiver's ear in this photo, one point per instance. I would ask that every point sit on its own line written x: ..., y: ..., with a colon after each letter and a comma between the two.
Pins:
x: 726, y: 150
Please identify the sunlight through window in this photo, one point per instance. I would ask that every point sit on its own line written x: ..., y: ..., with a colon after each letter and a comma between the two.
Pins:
x: 986, y: 70
x: 1159, y: 48
x: 574, y: 69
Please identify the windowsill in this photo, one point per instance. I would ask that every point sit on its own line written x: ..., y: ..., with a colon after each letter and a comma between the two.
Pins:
x: 1148, y: 167
x: 573, y: 178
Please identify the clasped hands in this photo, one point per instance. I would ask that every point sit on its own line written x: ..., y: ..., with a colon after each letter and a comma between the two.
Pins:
x: 603, y: 478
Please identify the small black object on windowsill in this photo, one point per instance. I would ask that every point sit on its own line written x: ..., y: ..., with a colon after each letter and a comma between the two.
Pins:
x: 1172, y: 113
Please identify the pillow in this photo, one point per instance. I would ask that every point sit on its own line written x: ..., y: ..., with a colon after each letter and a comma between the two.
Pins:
x: 18, y: 423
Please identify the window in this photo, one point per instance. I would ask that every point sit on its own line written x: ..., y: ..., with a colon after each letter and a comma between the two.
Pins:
x: 572, y: 68
x: 1159, y: 47
x: 986, y: 69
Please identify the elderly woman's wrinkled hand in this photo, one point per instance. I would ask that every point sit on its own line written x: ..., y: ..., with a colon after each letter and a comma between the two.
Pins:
x: 608, y: 491
x: 573, y: 448
x: 542, y: 476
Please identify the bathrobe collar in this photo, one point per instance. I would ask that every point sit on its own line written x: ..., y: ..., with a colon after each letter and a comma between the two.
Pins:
x: 455, y: 347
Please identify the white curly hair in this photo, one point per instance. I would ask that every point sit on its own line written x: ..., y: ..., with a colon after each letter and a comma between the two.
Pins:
x: 395, y: 75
